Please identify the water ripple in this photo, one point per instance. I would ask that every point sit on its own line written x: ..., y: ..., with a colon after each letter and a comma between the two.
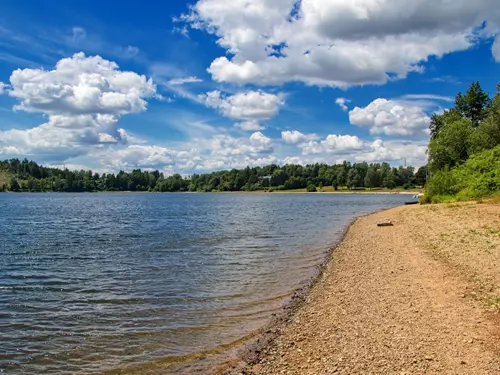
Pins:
x: 95, y: 283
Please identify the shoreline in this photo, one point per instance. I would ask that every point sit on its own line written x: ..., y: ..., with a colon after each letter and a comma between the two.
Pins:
x: 258, y: 345
x: 346, y: 192
x: 313, y: 335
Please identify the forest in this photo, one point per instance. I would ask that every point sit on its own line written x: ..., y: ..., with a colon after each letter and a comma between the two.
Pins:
x: 464, y: 149
x: 24, y: 175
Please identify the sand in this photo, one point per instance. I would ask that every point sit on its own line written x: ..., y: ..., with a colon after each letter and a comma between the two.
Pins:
x: 420, y: 297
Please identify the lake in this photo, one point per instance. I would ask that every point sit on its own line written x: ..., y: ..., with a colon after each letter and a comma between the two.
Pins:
x: 144, y: 283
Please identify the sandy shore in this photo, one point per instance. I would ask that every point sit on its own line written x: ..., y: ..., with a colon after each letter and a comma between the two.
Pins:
x: 421, y: 297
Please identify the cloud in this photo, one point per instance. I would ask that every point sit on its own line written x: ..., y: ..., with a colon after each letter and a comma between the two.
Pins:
x: 295, y: 137
x: 83, y: 99
x: 250, y: 125
x: 81, y: 85
x: 391, y: 117
x: 217, y: 152
x: 182, y: 81
x: 496, y: 49
x: 428, y: 97
x: 310, y: 145
x: 79, y: 34
x: 296, y: 160
x: 63, y: 137
x: 261, y: 142
x: 80, y: 39
x: 224, y: 145
x: 249, y: 105
x: 183, y: 30
x: 446, y: 79
x: 137, y: 156
x: 341, y: 102
x: 2, y: 87
x: 394, y: 151
x: 334, y: 144
x: 337, y: 148
x: 336, y: 42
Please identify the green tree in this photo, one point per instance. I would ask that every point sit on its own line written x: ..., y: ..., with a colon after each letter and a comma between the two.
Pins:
x: 452, y: 145
x: 421, y: 176
x: 487, y: 135
x: 390, y: 180
x: 474, y: 104
x: 14, y: 185
x: 342, y: 176
x: 439, y: 121
x: 372, y: 178
x: 354, y: 179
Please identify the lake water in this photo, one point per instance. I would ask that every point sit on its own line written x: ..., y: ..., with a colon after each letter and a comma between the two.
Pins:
x: 126, y: 283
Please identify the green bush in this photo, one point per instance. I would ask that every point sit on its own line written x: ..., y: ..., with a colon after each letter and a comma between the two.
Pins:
x: 442, y: 183
x: 311, y: 188
x: 478, y: 177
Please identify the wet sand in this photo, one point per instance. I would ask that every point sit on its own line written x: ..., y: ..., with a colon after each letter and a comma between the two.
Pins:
x: 420, y: 297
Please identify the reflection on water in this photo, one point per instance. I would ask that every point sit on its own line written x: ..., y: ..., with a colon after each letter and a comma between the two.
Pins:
x: 95, y: 283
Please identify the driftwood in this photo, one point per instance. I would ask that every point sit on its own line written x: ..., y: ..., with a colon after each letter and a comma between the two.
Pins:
x: 411, y: 203
x: 385, y: 223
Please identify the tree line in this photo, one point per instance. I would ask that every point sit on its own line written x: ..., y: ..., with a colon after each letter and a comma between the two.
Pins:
x: 29, y: 176
x: 464, y: 149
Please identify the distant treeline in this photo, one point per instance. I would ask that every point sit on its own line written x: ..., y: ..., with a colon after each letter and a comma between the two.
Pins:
x: 29, y: 176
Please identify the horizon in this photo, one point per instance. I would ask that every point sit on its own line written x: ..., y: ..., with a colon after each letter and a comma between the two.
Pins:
x: 201, y: 86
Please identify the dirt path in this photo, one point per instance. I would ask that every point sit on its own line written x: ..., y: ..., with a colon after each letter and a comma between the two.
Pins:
x: 390, y: 302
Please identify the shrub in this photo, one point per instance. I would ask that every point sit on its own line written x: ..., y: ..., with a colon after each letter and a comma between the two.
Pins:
x: 476, y: 178
x: 442, y: 183
x: 311, y: 188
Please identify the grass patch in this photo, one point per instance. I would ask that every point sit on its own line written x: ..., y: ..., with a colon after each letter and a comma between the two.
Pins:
x: 490, y: 199
x: 493, y: 302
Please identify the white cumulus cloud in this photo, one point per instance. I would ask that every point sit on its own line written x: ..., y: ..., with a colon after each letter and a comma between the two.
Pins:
x: 81, y: 85
x: 334, y: 144
x: 255, y: 105
x: 220, y: 151
x: 337, y: 148
x: 394, y: 151
x: 295, y: 137
x: 391, y: 117
x: 336, y: 42
x: 83, y: 99
x: 138, y: 156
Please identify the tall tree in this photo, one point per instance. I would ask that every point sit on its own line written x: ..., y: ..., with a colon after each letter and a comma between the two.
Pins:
x: 14, y: 185
x: 354, y: 178
x: 474, y: 104
x: 372, y: 178
x: 452, y: 146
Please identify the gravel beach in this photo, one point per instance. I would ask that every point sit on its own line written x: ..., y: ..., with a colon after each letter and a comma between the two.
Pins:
x: 419, y: 297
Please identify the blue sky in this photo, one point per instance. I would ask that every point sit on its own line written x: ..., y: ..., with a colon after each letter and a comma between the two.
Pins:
x: 217, y: 84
